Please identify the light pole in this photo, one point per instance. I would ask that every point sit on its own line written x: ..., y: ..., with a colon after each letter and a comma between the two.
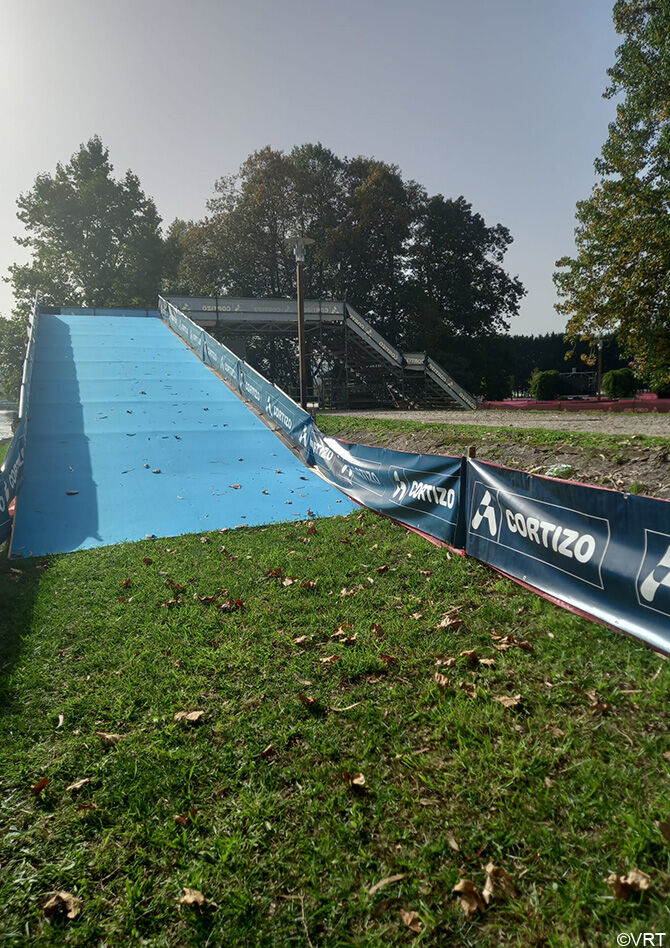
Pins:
x: 299, y: 244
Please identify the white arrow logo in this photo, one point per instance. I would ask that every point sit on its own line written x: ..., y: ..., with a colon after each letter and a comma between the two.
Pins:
x: 485, y: 511
x: 401, y: 487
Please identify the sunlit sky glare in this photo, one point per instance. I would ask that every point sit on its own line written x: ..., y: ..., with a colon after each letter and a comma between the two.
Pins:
x: 498, y: 100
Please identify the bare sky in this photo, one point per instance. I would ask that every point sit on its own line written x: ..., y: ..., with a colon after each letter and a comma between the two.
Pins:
x: 498, y: 100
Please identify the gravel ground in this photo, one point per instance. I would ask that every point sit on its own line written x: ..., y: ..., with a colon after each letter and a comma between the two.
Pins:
x: 594, y: 422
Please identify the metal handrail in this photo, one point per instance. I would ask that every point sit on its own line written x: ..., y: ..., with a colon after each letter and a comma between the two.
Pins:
x: 381, y: 344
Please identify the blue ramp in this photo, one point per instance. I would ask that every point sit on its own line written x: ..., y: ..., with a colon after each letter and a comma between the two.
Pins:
x: 130, y: 435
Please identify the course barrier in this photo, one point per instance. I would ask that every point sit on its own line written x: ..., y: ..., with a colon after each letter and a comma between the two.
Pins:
x: 12, y: 465
x: 601, y: 553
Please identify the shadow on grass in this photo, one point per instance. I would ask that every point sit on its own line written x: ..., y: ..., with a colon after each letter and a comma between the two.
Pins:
x: 18, y: 592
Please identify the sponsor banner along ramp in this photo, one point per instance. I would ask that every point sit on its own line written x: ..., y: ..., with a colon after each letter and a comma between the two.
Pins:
x: 603, y: 553
x: 129, y: 434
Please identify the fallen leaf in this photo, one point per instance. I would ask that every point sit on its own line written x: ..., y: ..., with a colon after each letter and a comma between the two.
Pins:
x: 356, y: 781
x: 288, y: 581
x: 268, y: 752
x: 426, y: 572
x: 498, y: 883
x: 71, y: 493
x: 109, y: 738
x: 40, y: 786
x: 192, y: 717
x: 441, y: 681
x: 156, y: 470
x: 62, y: 903
x: 469, y: 689
x: 451, y: 840
x: 471, y: 656
x: 78, y: 784
x: 508, y: 701
x: 412, y: 920
x: 382, y: 569
x: 664, y: 827
x: 312, y: 531
x: 147, y: 560
x: 125, y: 582
x: 311, y: 703
x: 330, y: 660
x: 231, y: 605
x: 469, y: 897
x: 387, y: 881
x: 450, y: 621
x: 557, y: 732
x: 300, y: 639
x: 236, y: 486
x: 61, y: 719
x: 309, y: 584
x: 272, y: 573
x: 388, y: 659
x: 597, y: 705
x: 444, y: 661
x: 193, y: 898
x: 622, y: 886
x: 377, y: 629
x: 183, y: 818
x: 489, y: 662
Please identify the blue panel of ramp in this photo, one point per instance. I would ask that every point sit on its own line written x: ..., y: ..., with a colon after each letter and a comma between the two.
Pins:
x: 115, y: 399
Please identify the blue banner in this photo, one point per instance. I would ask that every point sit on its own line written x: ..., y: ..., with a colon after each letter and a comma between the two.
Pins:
x: 422, y: 491
x: 10, y: 478
x: 602, y: 552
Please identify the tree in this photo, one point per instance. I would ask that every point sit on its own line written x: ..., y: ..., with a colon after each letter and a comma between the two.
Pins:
x: 619, y: 281
x: 13, y: 335
x: 460, y: 286
x: 95, y: 241
x: 397, y: 255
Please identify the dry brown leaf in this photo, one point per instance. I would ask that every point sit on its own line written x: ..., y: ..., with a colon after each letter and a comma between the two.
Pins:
x: 268, y: 752
x: 597, y: 705
x: 450, y: 620
x: 147, y: 560
x: 664, y: 827
x: 109, y: 738
x: 309, y: 584
x: 488, y: 662
x: 308, y: 701
x: 377, y: 629
x: 271, y: 573
x: 356, y: 781
x: 300, y: 640
x: 71, y: 493
x: 193, y: 898
x: 441, y: 681
x: 62, y: 904
x: 469, y: 897
x: 666, y: 755
x: 125, y: 582
x: 498, y: 883
x: 557, y: 732
x: 40, y: 786
x: 382, y: 569
x: 388, y: 659
x: 469, y: 689
x: 412, y: 920
x: 622, y: 886
x: 387, y: 881
x: 191, y: 717
x: 330, y: 659
x: 78, y: 784
x: 183, y: 818
x: 444, y: 661
x: 236, y: 486
x: 508, y: 701
x: 288, y: 581
x: 452, y: 842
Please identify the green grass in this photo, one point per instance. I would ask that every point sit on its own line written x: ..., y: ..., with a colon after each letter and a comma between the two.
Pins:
x: 4, y: 445
x: 388, y: 429
x: 555, y: 794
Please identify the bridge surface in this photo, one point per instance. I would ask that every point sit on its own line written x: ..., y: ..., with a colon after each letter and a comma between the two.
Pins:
x: 129, y: 435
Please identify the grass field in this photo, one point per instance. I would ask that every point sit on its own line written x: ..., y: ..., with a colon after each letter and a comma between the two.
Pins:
x: 258, y: 804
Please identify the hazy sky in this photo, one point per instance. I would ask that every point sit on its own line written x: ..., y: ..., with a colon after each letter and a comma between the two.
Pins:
x: 498, y: 100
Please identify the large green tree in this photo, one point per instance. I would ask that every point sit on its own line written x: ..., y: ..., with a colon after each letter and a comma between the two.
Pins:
x: 93, y: 240
x: 619, y: 280
x: 417, y: 267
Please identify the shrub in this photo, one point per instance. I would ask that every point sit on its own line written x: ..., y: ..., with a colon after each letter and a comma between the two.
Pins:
x: 619, y: 383
x: 497, y: 386
x: 544, y: 386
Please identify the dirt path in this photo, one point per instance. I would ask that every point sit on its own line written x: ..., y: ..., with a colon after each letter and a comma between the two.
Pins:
x: 624, y: 465
x: 593, y: 422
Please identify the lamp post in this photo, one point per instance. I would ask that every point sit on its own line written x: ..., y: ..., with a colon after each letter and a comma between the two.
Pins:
x: 299, y: 244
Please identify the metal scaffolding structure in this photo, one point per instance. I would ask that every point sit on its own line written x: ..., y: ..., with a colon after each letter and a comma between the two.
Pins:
x: 351, y: 365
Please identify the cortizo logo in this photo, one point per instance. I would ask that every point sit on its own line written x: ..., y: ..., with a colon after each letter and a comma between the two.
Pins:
x: 420, y: 490
x: 562, y: 537
x: 350, y: 470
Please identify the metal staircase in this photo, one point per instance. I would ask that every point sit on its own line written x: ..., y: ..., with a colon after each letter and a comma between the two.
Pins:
x: 363, y: 369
